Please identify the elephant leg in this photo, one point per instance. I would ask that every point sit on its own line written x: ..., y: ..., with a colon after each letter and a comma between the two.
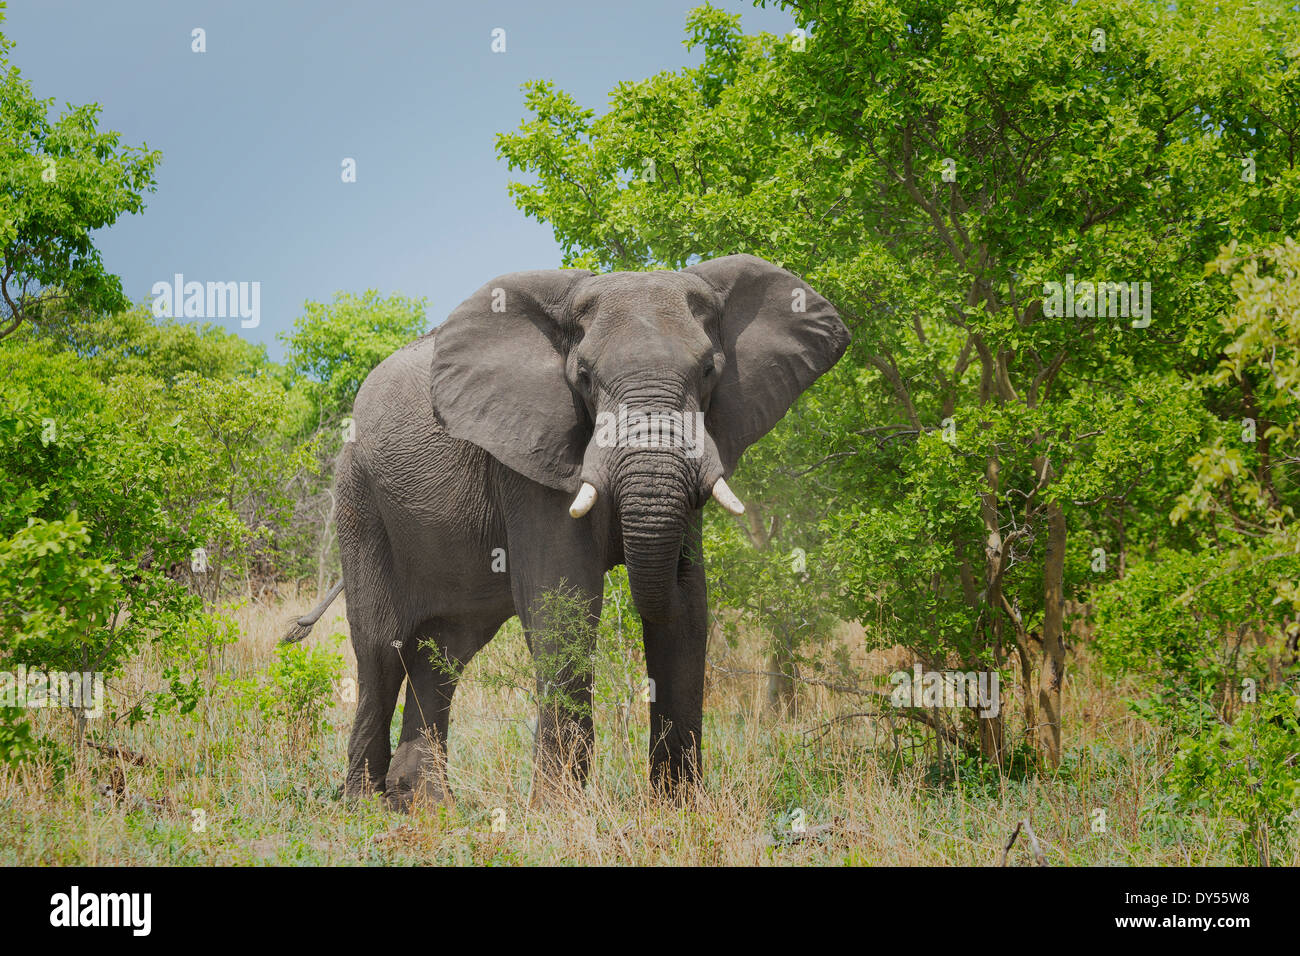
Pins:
x: 566, y: 735
x: 557, y: 582
x: 374, y: 622
x: 379, y: 674
x: 418, y: 772
x: 675, y: 662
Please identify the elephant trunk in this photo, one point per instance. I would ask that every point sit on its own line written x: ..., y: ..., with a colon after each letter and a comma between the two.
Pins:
x: 654, y: 494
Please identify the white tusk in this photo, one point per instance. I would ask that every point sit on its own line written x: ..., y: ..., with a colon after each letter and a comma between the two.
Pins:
x: 727, y: 498
x: 586, y: 498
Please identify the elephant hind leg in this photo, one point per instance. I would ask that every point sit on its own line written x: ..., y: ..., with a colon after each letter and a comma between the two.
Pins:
x: 377, y: 620
x: 380, y: 674
x: 418, y: 772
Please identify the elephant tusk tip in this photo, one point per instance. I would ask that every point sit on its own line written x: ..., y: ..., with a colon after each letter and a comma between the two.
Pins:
x: 583, y: 502
x: 724, y: 496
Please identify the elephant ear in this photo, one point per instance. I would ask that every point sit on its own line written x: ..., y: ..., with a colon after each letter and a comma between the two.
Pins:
x: 498, y: 375
x: 779, y: 336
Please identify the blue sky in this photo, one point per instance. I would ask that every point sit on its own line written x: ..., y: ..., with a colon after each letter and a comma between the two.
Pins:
x: 253, y: 131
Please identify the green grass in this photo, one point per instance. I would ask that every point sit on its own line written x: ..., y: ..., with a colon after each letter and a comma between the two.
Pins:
x: 867, y: 798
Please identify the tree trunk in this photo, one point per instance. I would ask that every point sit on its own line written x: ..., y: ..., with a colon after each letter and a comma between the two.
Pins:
x: 991, y: 729
x: 780, y: 664
x: 1052, y: 671
x: 780, y: 679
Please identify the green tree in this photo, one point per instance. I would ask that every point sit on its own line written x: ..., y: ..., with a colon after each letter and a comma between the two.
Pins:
x: 134, y: 342
x: 336, y: 344
x: 1245, y: 770
x: 86, y: 534
x: 1211, y: 628
x: 332, y: 348
x: 233, y: 492
x: 930, y: 167
x: 59, y: 180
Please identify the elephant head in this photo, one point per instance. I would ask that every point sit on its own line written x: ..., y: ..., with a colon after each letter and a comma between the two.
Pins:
x: 598, y: 385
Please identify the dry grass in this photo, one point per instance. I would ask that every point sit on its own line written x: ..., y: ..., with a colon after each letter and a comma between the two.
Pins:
x: 263, y: 801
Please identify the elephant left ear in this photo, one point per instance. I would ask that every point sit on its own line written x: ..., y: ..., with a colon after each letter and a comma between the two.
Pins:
x: 778, y: 335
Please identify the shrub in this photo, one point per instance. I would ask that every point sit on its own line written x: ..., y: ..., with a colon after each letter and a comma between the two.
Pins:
x: 1246, y: 770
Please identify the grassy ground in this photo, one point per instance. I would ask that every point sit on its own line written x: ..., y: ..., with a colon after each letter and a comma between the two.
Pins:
x: 866, y: 796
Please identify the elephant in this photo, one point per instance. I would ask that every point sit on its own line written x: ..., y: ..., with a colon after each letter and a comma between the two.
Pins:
x: 557, y: 424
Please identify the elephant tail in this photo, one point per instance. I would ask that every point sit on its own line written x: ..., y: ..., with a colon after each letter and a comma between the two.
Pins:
x: 301, y: 627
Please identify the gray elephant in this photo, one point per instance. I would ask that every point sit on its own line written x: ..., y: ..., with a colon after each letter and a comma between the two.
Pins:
x: 558, y: 423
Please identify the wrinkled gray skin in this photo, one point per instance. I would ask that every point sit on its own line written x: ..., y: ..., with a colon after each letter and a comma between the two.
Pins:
x: 427, y: 492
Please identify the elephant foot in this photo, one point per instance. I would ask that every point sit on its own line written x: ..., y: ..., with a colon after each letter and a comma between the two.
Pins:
x: 561, y: 762
x: 556, y: 786
x: 425, y: 794
x: 352, y: 798
x: 360, y: 787
x: 676, y: 780
x: 416, y: 779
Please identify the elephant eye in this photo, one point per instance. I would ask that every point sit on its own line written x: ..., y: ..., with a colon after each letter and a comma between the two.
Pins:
x: 709, y: 370
x: 584, y: 378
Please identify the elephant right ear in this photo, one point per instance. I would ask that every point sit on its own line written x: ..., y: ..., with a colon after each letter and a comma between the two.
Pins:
x: 498, y: 375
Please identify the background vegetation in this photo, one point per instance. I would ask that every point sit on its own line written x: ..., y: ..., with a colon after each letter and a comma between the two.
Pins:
x: 1100, y: 510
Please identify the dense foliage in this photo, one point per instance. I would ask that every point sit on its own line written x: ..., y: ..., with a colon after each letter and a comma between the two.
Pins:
x: 995, y: 448
x: 1063, y: 236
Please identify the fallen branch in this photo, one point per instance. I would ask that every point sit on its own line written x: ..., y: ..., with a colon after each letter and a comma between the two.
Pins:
x: 825, y: 728
x: 911, y: 713
x: 123, y: 753
x: 1037, y: 850
x: 1010, y: 840
x: 920, y: 716
x: 1033, y: 844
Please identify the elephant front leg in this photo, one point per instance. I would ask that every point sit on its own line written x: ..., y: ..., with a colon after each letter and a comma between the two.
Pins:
x: 566, y: 737
x: 557, y: 578
x: 561, y: 634
x: 675, y: 663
